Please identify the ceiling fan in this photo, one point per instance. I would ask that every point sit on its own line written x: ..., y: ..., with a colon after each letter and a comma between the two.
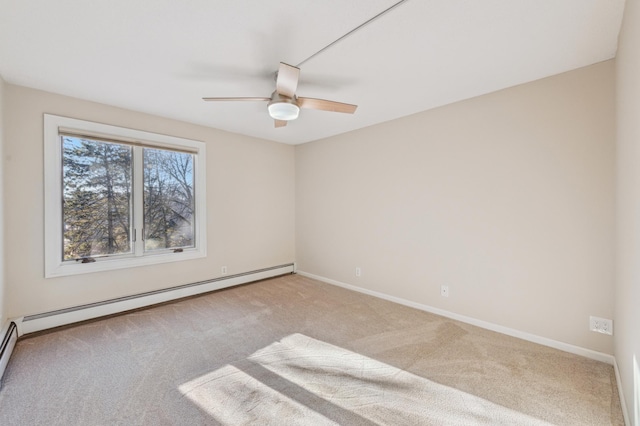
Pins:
x: 284, y: 105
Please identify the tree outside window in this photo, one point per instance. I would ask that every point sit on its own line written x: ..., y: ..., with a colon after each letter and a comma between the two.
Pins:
x: 98, y: 191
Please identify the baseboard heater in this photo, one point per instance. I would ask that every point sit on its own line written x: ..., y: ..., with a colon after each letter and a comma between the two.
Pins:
x: 46, y: 320
x: 9, y: 339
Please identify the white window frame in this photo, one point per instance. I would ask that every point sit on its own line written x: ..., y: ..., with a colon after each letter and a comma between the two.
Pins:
x: 54, y: 265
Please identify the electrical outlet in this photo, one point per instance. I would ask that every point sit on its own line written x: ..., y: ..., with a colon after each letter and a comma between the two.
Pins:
x: 601, y: 325
x: 444, y: 291
x: 223, y: 270
x: 358, y: 272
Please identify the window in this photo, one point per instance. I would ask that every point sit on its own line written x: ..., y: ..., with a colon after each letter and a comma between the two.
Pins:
x: 117, y: 198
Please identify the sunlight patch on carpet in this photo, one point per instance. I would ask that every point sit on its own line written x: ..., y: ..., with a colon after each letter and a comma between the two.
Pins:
x: 233, y: 397
x: 344, y: 382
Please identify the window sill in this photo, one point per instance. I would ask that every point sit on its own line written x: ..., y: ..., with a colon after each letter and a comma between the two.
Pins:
x: 76, y: 268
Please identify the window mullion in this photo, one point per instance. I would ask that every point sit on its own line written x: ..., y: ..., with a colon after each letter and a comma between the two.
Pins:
x: 138, y: 201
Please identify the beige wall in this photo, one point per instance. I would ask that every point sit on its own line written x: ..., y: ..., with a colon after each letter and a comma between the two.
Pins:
x: 3, y: 317
x: 250, y: 202
x: 627, y: 307
x: 507, y: 198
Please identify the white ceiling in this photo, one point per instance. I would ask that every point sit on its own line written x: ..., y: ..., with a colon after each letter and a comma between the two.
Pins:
x: 163, y: 56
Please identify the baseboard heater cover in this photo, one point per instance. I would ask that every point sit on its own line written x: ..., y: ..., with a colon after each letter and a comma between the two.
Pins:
x: 46, y: 320
x: 9, y: 339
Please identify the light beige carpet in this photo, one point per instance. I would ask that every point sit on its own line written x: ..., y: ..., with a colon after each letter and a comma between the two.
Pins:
x: 292, y: 350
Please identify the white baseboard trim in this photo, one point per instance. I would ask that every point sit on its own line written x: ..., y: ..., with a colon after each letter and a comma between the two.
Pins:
x: 566, y: 347
x: 623, y: 402
x: 46, y: 320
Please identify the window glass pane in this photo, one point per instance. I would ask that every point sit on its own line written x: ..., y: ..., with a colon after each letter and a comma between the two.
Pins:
x: 168, y: 199
x: 96, y: 180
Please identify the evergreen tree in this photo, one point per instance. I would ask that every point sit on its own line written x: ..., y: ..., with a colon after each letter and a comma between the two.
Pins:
x: 97, y: 205
x: 97, y: 198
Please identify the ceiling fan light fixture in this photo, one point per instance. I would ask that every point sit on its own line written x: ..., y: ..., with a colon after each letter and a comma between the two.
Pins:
x: 284, y: 105
x: 285, y: 110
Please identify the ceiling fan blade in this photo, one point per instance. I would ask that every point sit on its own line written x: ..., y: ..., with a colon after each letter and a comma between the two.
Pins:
x: 280, y: 123
x: 324, y: 105
x: 287, y: 80
x: 236, y: 99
